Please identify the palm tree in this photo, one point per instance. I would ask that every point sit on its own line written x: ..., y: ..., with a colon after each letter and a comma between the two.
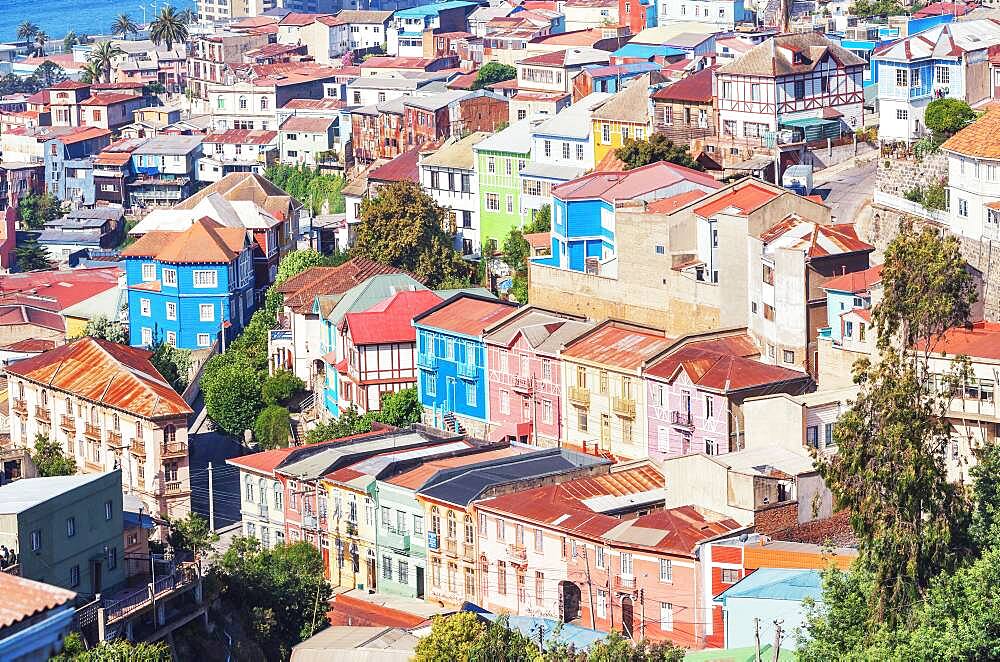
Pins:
x: 188, y: 16
x: 40, y: 40
x: 103, y: 56
x: 27, y: 30
x: 168, y: 28
x: 124, y: 25
x: 91, y: 72
x: 69, y: 41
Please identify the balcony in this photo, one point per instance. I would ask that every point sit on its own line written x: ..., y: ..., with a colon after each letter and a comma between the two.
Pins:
x: 173, y: 487
x: 624, y: 407
x: 451, y: 548
x: 43, y: 413
x: 114, y: 439
x: 67, y: 423
x: 625, y: 583
x: 281, y: 334
x: 427, y: 361
x: 20, y: 406
x: 137, y: 447
x: 681, y: 418
x: 309, y: 522
x: 92, y: 431
x: 579, y: 395
x: 174, y: 449
x: 522, y: 383
x: 395, y: 539
x: 517, y: 553
x: 973, y: 408
x: 262, y: 510
x: 466, y: 370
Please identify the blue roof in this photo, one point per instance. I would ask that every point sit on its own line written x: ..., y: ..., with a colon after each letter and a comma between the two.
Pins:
x: 580, y: 638
x: 774, y: 584
x: 647, y: 51
x: 432, y: 9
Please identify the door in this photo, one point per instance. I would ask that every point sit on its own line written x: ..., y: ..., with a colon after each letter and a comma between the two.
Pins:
x: 95, y: 566
x: 450, y: 405
x: 371, y: 575
x: 628, y: 617
x: 605, y: 432
x: 420, y: 582
x: 569, y: 596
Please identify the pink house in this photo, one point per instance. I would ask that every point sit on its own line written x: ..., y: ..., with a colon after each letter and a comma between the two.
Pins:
x: 525, y: 375
x: 695, y: 392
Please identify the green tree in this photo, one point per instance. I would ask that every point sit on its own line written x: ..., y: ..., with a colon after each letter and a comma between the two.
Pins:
x: 350, y: 422
x: 26, y: 31
x: 41, y: 40
x: 37, y: 210
x: 451, y: 638
x: 103, y: 55
x: 637, y: 153
x: 984, y: 530
x: 492, y: 73
x: 49, y: 458
x: 69, y: 41
x: 232, y: 396
x: 298, y: 261
x: 90, y: 72
x: 403, y: 227
x: 280, y: 594
x: 192, y: 534
x: 516, y: 251
x: 174, y: 363
x: 322, y: 193
x: 871, y: 8
x: 123, y: 26
x: 502, y: 643
x: 271, y: 429
x: 616, y: 648
x: 280, y: 387
x: 48, y: 73
x: 519, y: 289
x: 542, y: 221
x: 946, y: 117
x: 168, y: 28
x: 188, y: 16
x: 118, y: 650
x: 103, y: 328
x: 31, y: 255
x: 400, y: 409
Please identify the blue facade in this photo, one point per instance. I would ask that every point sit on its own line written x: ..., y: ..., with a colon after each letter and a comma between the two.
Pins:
x: 69, y: 168
x: 190, y: 315
x: 838, y: 303
x: 452, y: 374
x: 579, y: 232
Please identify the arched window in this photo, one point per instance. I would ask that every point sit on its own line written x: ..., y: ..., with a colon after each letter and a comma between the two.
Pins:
x: 45, y: 398
x: 263, y: 103
x: 249, y: 482
x: 116, y: 422
x: 435, y: 520
x: 452, y: 525
x: 94, y: 417
x: 468, y: 530
x: 243, y: 103
x: 170, y: 434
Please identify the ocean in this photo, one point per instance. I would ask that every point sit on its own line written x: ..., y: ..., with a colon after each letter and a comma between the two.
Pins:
x: 57, y: 17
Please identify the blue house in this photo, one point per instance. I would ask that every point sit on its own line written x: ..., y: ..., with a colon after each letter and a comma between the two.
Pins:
x: 847, y: 293
x: 768, y: 595
x: 184, y: 288
x: 451, y: 357
x: 583, y: 210
x: 69, y: 163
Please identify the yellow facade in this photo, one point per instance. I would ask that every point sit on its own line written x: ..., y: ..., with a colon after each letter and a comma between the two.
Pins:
x: 351, y: 527
x: 451, y: 554
x: 76, y: 327
x: 609, y: 135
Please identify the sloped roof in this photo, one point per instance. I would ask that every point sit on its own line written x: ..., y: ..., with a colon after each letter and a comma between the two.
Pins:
x: 403, y: 168
x: 465, y: 314
x: 777, y: 584
x: 720, y: 371
x: 979, y: 139
x: 612, y: 186
x: 978, y: 340
x: 246, y: 186
x: 571, y: 57
x: 106, y: 373
x: 302, y: 289
x: 745, y: 198
x: 458, y: 154
x: 618, y: 344
x: 813, y: 239
x: 673, y: 203
x: 766, y: 59
x: 24, y: 598
x: 390, y: 321
x: 307, y: 124
x: 948, y: 40
x: 696, y: 88
x: 544, y: 330
x: 629, y: 105
x: 205, y: 242
x: 856, y: 281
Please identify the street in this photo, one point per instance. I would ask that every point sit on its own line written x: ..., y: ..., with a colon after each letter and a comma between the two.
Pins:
x: 216, y: 448
x: 847, y: 190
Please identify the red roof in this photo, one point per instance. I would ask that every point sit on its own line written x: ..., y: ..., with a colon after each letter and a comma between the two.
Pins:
x: 389, y: 62
x: 746, y: 199
x: 263, y: 462
x: 696, y: 88
x: 299, y: 19
x: 674, y: 202
x: 56, y: 290
x: 539, y: 240
x: 414, y: 479
x: 465, y: 314
x: 612, y: 186
x: 79, y: 134
x: 813, y: 239
x: 464, y: 81
x: 30, y: 345
x: 70, y: 85
x: 587, y: 37
x: 301, y: 290
x: 205, y: 242
x: 403, y: 168
x: 325, y: 103
x: 24, y: 598
x: 721, y: 372
x: 109, y: 374
x: 857, y: 281
x: 618, y: 344
x: 108, y: 98
x: 242, y: 137
x: 980, y: 340
x: 941, y: 8
x: 390, y: 321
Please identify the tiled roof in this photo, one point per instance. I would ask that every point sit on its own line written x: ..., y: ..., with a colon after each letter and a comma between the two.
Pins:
x: 205, y: 242
x: 301, y: 290
x: 109, y: 374
x: 979, y: 139
x: 307, y: 124
x: 979, y: 340
x: 391, y: 320
x: 70, y: 85
x: 325, y: 103
x: 24, y: 598
x: 617, y: 344
x: 630, y: 184
x: 856, y: 281
x: 246, y: 186
x: 696, y: 88
x: 722, y: 372
x: 766, y: 59
x: 813, y: 239
x: 108, y: 99
x: 745, y: 198
x: 465, y: 314
x: 56, y: 290
x: 539, y: 240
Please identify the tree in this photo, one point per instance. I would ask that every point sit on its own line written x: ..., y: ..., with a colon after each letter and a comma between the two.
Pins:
x: 192, y: 534
x: 280, y: 387
x: 69, y: 41
x: 492, y: 73
x: 516, y: 251
x: 401, y: 409
x: 870, y: 8
x: 637, y: 153
x: 542, y: 221
x: 27, y: 30
x: 321, y: 193
x: 173, y: 363
x: 984, y: 529
x: 103, y: 56
x: 502, y: 643
x: 30, y: 255
x: 298, y: 261
x: 36, y: 210
x: 232, y: 397
x: 947, y: 116
x: 41, y: 39
x: 118, y: 650
x: 168, y: 28
x: 616, y: 648
x: 49, y: 458
x: 187, y: 16
x: 124, y: 26
x: 403, y: 227
x: 280, y: 594
x: 47, y: 74
x: 271, y: 429
x: 350, y: 422
x: 451, y: 638
x: 103, y: 328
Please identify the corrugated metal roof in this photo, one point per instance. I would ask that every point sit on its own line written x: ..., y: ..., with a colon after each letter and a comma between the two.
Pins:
x: 777, y: 584
x: 618, y: 344
x: 24, y: 598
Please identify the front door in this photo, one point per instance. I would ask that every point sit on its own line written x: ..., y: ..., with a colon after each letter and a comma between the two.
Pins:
x: 371, y: 575
x: 420, y: 582
x: 96, y: 574
x: 627, y: 617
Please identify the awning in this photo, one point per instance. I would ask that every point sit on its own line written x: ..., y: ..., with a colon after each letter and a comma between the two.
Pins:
x: 815, y: 128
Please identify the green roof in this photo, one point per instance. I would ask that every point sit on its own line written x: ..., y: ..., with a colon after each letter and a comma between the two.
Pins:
x: 374, y: 290
x: 746, y: 654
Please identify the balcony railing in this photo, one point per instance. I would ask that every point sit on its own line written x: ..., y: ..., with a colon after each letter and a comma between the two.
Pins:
x: 625, y: 583
x: 114, y: 439
x: 682, y: 418
x: 623, y: 407
x: 67, y: 423
x: 173, y: 487
x: 517, y: 552
x: 395, y: 539
x: 92, y: 431
x: 90, y: 465
x: 468, y: 552
x: 42, y: 413
x: 20, y: 406
x: 281, y: 334
x: 579, y: 395
x: 426, y: 361
x: 451, y: 547
x: 174, y: 449
x: 522, y: 383
x: 262, y: 510
x: 137, y: 447
x: 466, y: 370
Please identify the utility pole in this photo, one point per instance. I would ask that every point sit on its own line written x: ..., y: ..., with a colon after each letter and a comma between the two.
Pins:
x: 756, y: 638
x: 590, y: 588
x: 777, y: 640
x: 211, y: 501
x: 642, y: 614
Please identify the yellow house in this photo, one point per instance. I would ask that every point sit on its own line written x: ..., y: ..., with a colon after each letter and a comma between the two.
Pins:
x: 351, y: 525
x: 107, y: 304
x: 622, y: 117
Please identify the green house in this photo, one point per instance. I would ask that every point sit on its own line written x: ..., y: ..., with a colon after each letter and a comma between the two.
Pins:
x: 499, y: 161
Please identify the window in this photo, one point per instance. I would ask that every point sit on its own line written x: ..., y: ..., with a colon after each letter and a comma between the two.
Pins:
x: 108, y: 512
x: 206, y: 312
x: 579, y: 152
x: 605, y: 133
x: 74, y: 576
x: 147, y: 336
x: 730, y: 575
x: 538, y: 540
x: 70, y: 527
x: 171, y: 310
x: 36, y: 540
x: 418, y: 524
x: 603, y: 382
x: 599, y: 557
x: 828, y: 434
x: 452, y: 525
x: 507, y: 167
x: 387, y: 567
x: 502, y: 577
x: 756, y: 92
x: 626, y: 564
x: 470, y: 394
x: 602, y: 603
x: 902, y: 114
x: 403, y: 572
x: 112, y: 558
x: 666, y: 616
x: 144, y: 307
x: 963, y: 207
x: 666, y: 570
x: 243, y: 103
x: 799, y: 89
x: 204, y: 340
x: 942, y: 75
x: 148, y: 271
x: 469, y: 530
x: 170, y: 277
x: 812, y: 436
x: 491, y: 165
x: 539, y: 588
x: 565, y: 150
x: 510, y: 204
x: 492, y: 202
x: 501, y: 529
x: 709, y: 406
x: 581, y: 419
x: 204, y: 278
x: 172, y: 338
x: 788, y: 356
x: 547, y: 411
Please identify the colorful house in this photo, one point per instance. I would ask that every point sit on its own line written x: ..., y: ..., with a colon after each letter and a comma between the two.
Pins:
x: 623, y: 117
x: 499, y: 162
x: 525, y: 374
x: 452, y: 358
x: 184, y: 288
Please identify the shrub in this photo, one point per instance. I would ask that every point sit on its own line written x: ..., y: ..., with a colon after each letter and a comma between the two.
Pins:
x: 280, y: 387
x: 271, y: 427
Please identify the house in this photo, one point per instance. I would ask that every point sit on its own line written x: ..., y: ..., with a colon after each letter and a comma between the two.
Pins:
x: 111, y: 110
x: 611, y: 78
x: 566, y: 139
x: 19, y: 180
x: 328, y: 108
x: 768, y: 595
x: 452, y: 359
x: 305, y: 140
x: 449, y: 176
x: 388, y: 84
x: 500, y: 159
x: 849, y: 333
x: 66, y: 530
x: 787, y: 266
x: 380, y: 349
x: 187, y: 287
x: 606, y: 410
x: 100, y: 227
x: 545, y: 81
x: 212, y: 54
x: 583, y: 210
x: 684, y: 111
x: 623, y: 117
x: 109, y: 304
x: 236, y: 150
x: 452, y: 113
x: 165, y: 169
x: 587, y: 14
x: 408, y: 26
x: 65, y: 98
x: 448, y: 501
x: 800, y: 82
x: 949, y: 60
x: 722, y: 14
x: 600, y: 551
x: 973, y: 195
x: 796, y: 422
x: 69, y: 170
x: 262, y: 496
x: 377, y: 131
x: 525, y: 375
x: 39, y: 618
x: 148, y: 121
x: 695, y: 392
x: 114, y: 169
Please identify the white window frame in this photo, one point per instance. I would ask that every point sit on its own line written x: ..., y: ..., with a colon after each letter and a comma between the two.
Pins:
x: 210, y: 307
x: 204, y: 340
x: 145, y: 307
x: 148, y: 271
x: 171, y: 310
x: 209, y: 278
x: 170, y: 277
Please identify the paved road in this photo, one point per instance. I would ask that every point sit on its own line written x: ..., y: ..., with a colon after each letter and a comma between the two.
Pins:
x: 847, y: 191
x: 216, y: 448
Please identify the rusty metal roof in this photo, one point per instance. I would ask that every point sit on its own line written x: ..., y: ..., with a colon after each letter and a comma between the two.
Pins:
x: 617, y: 344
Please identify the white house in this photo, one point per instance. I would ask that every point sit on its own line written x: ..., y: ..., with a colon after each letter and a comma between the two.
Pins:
x: 723, y: 13
x: 306, y: 140
x: 566, y: 139
x: 449, y: 176
x: 974, y: 179
x: 235, y: 150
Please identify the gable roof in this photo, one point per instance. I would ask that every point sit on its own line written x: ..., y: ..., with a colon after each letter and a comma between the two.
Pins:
x: 720, y: 371
x: 979, y: 139
x: 856, y: 281
x: 543, y: 330
x: 696, y: 88
x: 945, y: 41
x: 205, y: 242
x: 612, y: 186
x: 617, y: 344
x: 106, y: 373
x: 403, y: 168
x: 978, y: 340
x: 467, y: 314
x: 767, y: 59
x: 629, y: 105
x: 571, y: 57
x: 813, y: 239
x: 249, y: 187
x: 390, y: 321
x: 745, y: 198
x: 302, y: 289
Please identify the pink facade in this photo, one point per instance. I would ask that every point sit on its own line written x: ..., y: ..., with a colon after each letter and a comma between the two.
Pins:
x: 684, y: 419
x: 525, y: 392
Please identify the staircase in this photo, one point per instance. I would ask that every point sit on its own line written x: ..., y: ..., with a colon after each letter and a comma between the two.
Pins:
x: 451, y: 423
x: 298, y: 432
